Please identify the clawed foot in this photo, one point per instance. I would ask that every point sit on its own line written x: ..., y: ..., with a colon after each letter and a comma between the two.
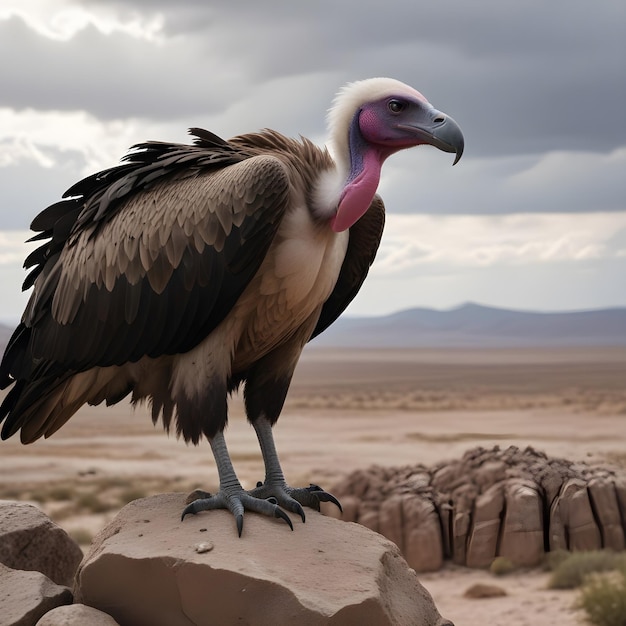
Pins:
x: 236, y: 500
x: 292, y: 498
x: 265, y: 498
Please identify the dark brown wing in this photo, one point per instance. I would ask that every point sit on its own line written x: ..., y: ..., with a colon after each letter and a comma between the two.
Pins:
x: 364, y: 240
x: 148, y: 260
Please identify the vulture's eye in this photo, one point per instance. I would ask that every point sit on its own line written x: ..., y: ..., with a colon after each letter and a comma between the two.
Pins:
x: 395, y: 106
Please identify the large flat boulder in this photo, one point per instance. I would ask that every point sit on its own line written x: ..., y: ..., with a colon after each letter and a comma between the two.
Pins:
x: 149, y: 568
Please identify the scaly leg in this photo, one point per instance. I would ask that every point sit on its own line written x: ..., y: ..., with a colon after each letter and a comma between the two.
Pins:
x: 232, y: 495
x: 275, y: 486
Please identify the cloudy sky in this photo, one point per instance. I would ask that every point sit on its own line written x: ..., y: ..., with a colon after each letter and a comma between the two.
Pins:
x: 533, y: 216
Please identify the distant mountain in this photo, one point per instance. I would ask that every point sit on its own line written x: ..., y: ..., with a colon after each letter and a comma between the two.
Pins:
x: 469, y: 326
x: 473, y: 326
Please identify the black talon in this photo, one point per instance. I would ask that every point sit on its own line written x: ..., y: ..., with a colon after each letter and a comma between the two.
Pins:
x: 324, y: 496
x: 278, y: 512
x: 300, y: 511
x: 188, y: 510
x: 239, y: 524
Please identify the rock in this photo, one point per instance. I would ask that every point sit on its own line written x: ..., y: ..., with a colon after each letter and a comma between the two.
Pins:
x: 513, y: 503
x: 369, y: 518
x: 422, y: 545
x: 143, y: 569
x: 29, y: 540
x: 604, y: 499
x: 490, y: 473
x: 460, y: 527
x: 484, y: 590
x: 522, y: 528
x: 483, y: 537
x: 577, y: 518
x: 414, y: 525
x: 620, y: 492
x: 444, y: 509
x: 26, y: 596
x: 391, y: 520
x: 463, y: 498
x: 76, y: 615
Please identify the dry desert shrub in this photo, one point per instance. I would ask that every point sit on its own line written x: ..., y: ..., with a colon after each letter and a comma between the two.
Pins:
x: 572, y: 570
x: 501, y: 566
x: 60, y: 493
x: 93, y: 503
x: 603, y: 598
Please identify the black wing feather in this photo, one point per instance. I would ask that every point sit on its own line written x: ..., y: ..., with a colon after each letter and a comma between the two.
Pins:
x: 132, y: 320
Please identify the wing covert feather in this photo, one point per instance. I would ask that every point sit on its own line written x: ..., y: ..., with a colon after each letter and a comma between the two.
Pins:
x: 162, y: 272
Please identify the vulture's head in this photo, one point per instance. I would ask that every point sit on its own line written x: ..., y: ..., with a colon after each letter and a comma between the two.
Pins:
x: 370, y: 120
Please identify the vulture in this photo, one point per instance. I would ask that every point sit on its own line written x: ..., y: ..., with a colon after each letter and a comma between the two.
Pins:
x: 191, y: 270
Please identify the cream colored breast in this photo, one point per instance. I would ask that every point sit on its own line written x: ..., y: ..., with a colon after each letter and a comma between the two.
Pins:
x: 295, y: 279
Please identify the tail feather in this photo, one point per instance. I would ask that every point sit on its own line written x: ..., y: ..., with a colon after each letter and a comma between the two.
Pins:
x: 38, y: 408
x: 28, y: 406
x: 14, y: 354
x: 7, y: 407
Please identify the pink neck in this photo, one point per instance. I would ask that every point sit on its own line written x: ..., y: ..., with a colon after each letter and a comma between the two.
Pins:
x: 358, y: 192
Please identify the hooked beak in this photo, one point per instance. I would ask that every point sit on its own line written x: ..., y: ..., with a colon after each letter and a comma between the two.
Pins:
x: 439, y: 130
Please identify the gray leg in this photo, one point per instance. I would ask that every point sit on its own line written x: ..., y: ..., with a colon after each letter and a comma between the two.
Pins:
x: 275, y: 486
x: 231, y: 495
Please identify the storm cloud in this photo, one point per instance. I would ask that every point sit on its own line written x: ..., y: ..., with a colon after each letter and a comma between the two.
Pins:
x: 537, y: 87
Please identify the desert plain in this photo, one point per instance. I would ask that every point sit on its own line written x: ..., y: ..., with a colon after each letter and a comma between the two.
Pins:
x: 349, y: 409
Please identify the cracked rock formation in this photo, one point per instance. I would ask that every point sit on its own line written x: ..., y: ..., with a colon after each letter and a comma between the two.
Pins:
x: 512, y: 503
x: 149, y: 568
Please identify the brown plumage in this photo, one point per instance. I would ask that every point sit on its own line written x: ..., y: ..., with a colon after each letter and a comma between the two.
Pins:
x: 191, y: 269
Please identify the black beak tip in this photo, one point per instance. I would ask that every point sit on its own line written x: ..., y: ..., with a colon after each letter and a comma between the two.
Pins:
x: 459, y: 154
x: 456, y: 139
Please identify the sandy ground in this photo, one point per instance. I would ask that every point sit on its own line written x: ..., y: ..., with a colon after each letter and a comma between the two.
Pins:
x: 347, y: 410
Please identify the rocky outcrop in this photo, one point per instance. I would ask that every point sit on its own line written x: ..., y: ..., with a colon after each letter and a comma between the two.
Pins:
x: 512, y: 503
x: 29, y: 540
x: 27, y: 596
x: 148, y: 567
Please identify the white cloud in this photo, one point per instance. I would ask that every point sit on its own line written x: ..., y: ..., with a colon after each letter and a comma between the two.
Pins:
x: 13, y: 249
x: 418, y: 242
x: 43, y: 136
x: 554, y: 261
x: 63, y: 19
x: 84, y: 80
x: 545, y: 262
